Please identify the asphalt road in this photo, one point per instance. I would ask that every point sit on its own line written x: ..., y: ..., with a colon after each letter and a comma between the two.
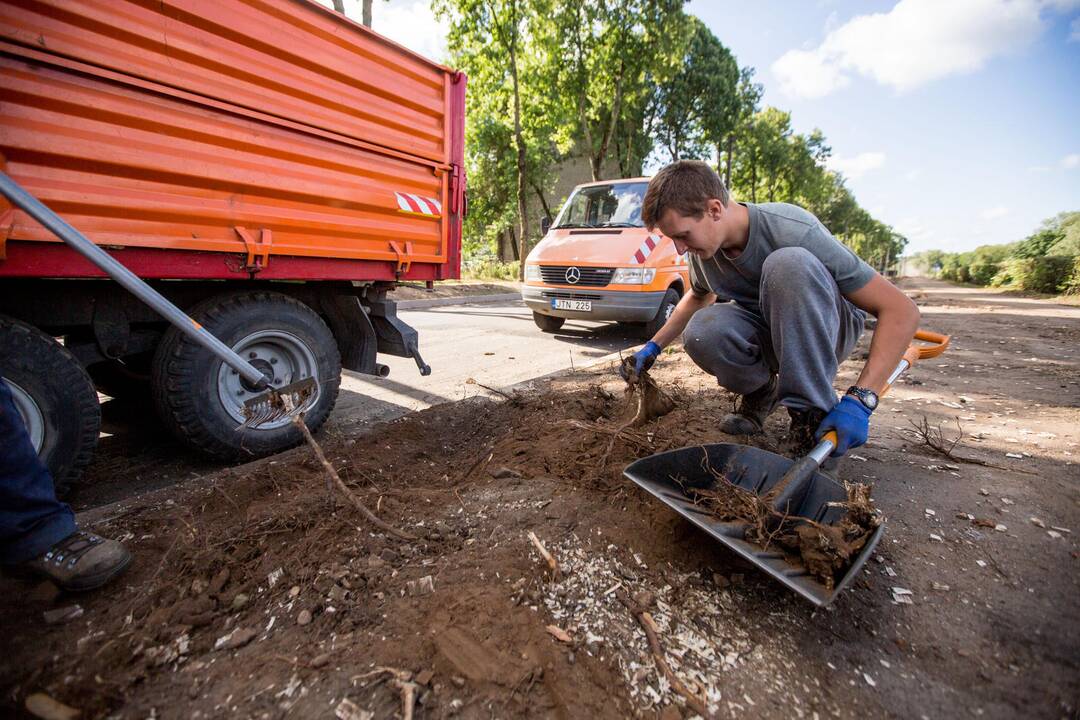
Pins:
x: 495, y: 344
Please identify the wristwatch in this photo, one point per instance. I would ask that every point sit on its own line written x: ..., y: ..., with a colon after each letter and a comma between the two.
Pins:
x: 867, y: 397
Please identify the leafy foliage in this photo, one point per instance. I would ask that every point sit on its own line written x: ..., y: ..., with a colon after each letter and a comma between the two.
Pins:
x: 613, y: 82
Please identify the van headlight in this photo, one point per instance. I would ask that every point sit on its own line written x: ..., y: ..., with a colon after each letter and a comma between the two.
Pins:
x: 633, y: 276
x: 532, y: 273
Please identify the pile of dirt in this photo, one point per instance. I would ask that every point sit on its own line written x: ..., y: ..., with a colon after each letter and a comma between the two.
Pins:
x: 265, y: 592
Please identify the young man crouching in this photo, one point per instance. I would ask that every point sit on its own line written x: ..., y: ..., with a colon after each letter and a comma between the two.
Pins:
x: 798, y: 304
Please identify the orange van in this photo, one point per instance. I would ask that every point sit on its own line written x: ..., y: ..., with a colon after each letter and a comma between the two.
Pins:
x: 598, y: 262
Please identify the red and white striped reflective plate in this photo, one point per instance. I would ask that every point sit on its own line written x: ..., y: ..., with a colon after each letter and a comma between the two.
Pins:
x: 410, y: 203
x: 651, y: 242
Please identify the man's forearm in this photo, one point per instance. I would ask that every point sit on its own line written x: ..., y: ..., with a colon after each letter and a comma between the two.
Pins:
x: 892, y: 336
x: 680, y: 316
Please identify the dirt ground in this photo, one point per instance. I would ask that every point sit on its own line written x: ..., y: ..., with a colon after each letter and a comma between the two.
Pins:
x: 256, y: 592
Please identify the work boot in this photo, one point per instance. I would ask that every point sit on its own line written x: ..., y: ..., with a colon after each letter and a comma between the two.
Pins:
x: 804, y: 423
x: 753, y: 408
x: 81, y: 561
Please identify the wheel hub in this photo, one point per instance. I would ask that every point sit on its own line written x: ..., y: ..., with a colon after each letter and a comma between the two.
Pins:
x: 280, y: 355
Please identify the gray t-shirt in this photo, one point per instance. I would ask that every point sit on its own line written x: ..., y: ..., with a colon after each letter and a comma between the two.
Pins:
x: 774, y: 226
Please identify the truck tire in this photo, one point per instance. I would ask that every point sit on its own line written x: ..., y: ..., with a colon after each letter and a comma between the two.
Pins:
x: 199, y: 398
x: 54, y: 395
x: 667, y: 306
x: 548, y: 323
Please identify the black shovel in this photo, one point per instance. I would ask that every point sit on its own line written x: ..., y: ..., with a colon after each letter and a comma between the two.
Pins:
x: 803, y: 492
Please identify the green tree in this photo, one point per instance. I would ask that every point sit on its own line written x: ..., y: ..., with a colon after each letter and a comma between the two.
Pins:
x: 698, y: 103
x: 508, y: 126
x: 747, y: 103
x: 606, y: 52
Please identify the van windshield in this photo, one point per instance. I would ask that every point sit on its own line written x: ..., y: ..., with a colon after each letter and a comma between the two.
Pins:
x: 617, y: 205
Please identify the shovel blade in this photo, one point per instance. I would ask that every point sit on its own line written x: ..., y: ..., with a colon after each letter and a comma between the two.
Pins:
x: 758, y: 471
x: 280, y: 403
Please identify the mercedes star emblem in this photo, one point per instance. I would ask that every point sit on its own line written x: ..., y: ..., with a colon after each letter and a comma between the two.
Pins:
x: 572, y: 275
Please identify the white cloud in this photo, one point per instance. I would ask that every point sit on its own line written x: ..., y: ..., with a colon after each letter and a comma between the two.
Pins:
x: 916, y: 42
x: 857, y: 166
x: 1074, y: 30
x: 1071, y: 161
x: 407, y: 22
x: 912, y: 174
x: 995, y: 212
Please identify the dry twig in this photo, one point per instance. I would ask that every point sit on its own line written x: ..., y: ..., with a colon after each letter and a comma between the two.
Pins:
x: 694, y: 700
x: 334, y: 479
x: 934, y: 438
x: 548, y: 557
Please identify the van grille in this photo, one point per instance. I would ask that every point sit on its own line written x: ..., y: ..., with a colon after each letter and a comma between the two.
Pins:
x: 590, y: 276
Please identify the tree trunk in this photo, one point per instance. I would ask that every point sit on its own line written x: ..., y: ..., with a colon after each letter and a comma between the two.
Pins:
x: 339, y: 6
x: 543, y: 200
x: 367, y: 12
x: 514, y: 252
x: 519, y: 139
x: 616, y: 106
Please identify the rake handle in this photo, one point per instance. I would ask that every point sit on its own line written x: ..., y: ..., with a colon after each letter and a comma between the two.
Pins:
x: 129, y: 280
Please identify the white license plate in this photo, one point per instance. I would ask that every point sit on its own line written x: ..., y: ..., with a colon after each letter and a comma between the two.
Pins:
x: 579, y: 305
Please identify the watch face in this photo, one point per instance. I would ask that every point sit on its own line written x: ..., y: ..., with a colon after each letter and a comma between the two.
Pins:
x: 868, y: 398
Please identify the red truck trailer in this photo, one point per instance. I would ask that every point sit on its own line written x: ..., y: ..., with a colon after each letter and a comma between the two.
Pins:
x: 269, y: 166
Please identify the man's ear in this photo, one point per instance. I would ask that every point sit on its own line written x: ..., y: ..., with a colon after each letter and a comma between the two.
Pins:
x: 716, y: 209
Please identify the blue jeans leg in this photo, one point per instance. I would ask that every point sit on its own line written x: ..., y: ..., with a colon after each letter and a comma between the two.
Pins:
x: 31, y: 518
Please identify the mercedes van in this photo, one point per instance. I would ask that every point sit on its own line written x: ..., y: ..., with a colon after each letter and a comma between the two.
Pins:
x: 599, y: 262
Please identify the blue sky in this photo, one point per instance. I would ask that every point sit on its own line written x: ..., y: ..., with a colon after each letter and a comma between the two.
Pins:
x: 955, y: 121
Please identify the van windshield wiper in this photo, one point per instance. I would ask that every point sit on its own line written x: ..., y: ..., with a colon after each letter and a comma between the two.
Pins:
x: 619, y: 224
x: 575, y: 225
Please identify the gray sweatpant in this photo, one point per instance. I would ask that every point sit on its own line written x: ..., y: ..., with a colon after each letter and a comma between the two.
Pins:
x: 804, y: 330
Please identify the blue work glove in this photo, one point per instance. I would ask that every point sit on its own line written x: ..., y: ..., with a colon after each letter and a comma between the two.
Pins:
x: 643, y: 359
x: 851, y: 421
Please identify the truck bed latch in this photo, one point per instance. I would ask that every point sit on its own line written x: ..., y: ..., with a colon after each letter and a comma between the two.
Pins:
x: 404, y: 259
x: 258, y: 250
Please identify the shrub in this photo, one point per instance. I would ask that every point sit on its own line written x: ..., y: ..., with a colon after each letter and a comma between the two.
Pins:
x: 1072, y: 285
x: 1048, y: 274
x: 982, y: 272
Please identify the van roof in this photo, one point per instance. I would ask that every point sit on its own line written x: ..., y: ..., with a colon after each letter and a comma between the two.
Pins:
x: 619, y: 181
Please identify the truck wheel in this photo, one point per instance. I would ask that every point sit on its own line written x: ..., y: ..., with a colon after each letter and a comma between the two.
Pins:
x: 548, y: 323
x: 200, y: 398
x: 667, y: 306
x: 55, y: 398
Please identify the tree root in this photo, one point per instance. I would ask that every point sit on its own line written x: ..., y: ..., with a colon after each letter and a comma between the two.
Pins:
x: 333, y: 479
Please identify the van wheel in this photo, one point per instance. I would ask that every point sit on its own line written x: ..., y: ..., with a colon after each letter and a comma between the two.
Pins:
x: 200, y: 398
x: 55, y: 398
x: 548, y: 323
x: 667, y: 306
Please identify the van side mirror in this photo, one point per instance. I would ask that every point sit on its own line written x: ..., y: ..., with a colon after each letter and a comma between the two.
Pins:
x: 545, y: 225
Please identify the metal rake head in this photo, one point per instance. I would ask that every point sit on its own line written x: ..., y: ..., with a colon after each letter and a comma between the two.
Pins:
x: 280, y: 403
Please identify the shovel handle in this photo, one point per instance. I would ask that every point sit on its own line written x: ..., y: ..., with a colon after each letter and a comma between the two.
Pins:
x: 915, y: 352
